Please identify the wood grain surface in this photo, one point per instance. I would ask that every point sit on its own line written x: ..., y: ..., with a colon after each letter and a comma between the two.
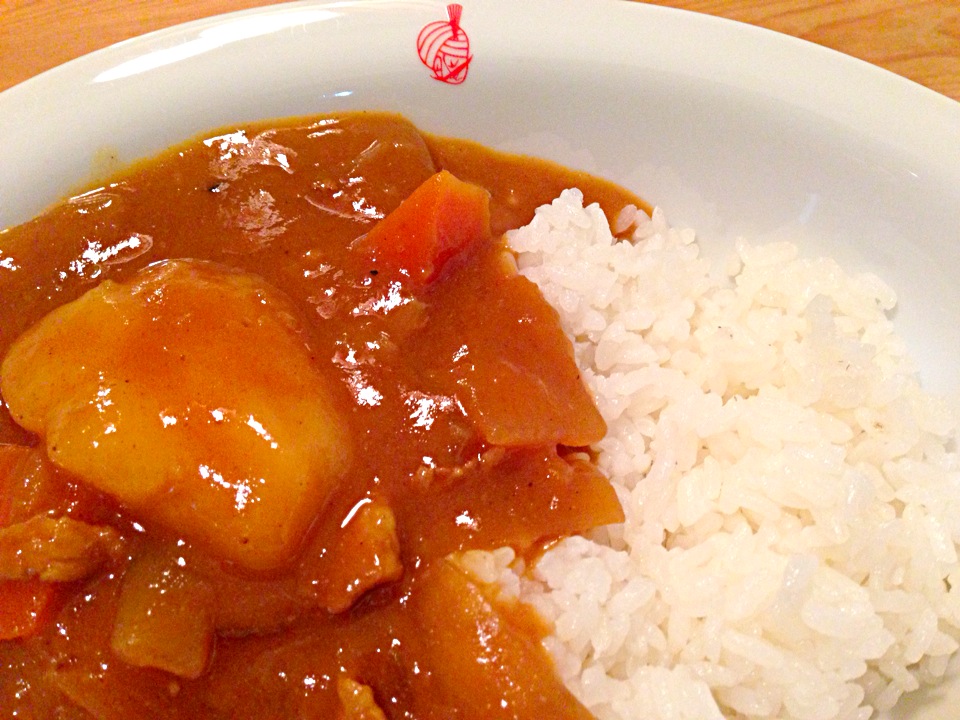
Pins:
x: 919, y: 39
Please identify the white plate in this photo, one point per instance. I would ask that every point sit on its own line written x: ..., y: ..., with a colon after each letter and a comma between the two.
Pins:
x: 732, y: 129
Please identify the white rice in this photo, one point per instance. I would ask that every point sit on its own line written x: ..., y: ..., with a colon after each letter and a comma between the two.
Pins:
x: 792, y: 495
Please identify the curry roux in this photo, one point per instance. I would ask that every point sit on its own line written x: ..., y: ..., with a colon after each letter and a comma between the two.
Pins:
x: 421, y: 405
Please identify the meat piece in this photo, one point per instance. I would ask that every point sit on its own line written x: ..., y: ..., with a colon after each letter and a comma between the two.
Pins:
x: 358, y: 701
x: 34, y: 548
x: 363, y: 552
x: 56, y: 549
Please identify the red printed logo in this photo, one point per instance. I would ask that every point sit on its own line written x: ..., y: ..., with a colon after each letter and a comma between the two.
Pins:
x: 444, y: 47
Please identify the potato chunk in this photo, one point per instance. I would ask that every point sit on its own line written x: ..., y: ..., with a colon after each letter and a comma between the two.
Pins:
x: 190, y: 395
x: 164, y: 617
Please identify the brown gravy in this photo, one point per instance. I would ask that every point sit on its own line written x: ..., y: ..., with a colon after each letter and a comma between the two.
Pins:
x: 360, y: 614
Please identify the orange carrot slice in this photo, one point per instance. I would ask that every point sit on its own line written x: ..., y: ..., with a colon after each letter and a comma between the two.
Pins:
x: 438, y: 221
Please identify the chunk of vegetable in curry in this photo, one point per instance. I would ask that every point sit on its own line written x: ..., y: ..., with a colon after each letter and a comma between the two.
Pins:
x: 257, y: 393
x: 190, y: 396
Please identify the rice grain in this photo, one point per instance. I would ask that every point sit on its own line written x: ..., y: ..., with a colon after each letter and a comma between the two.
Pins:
x: 792, y: 495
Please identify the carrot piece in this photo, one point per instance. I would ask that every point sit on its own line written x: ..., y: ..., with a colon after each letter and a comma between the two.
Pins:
x: 438, y: 221
x: 25, y: 606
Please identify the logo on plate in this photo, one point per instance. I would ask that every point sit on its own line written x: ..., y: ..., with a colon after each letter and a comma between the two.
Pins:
x: 444, y: 47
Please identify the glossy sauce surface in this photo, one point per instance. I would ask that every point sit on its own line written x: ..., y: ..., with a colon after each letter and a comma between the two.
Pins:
x: 449, y: 417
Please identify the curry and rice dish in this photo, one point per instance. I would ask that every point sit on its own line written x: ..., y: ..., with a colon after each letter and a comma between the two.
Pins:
x: 331, y: 419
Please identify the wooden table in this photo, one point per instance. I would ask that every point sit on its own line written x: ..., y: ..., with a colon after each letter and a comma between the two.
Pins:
x: 919, y: 39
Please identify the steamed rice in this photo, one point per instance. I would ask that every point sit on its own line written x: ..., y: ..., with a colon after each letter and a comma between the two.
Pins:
x: 792, y: 495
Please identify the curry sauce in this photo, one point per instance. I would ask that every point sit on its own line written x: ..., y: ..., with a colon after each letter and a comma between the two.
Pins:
x: 259, y: 393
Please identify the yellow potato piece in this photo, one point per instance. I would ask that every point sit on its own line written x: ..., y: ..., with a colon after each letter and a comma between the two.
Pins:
x: 164, y: 617
x: 190, y: 395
